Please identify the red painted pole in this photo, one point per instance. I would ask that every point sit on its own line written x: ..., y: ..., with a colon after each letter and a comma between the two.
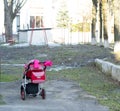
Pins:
x: 45, y: 35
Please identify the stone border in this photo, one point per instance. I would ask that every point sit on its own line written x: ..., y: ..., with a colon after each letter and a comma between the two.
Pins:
x: 109, y: 68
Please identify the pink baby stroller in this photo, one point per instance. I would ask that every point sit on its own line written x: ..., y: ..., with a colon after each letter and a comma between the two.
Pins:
x: 34, y: 75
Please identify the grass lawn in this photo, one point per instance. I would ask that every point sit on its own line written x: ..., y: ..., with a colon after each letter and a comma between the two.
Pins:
x: 1, y: 101
x: 9, y: 78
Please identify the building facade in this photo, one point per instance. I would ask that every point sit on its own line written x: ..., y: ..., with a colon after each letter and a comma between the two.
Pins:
x: 39, y: 14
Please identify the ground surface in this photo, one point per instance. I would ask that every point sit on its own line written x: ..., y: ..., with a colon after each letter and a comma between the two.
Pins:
x: 61, y: 95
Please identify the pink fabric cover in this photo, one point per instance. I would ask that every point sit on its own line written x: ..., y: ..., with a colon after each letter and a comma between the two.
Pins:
x: 36, y: 64
x: 48, y: 63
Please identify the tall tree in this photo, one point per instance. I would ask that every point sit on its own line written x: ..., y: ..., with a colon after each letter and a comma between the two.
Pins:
x: 94, y: 17
x: 63, y: 18
x: 11, y: 8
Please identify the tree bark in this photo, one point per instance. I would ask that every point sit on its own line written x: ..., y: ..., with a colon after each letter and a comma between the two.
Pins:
x: 116, y: 21
x: 105, y: 27
x: 7, y: 22
x: 93, y: 25
x: 117, y: 29
x: 101, y: 25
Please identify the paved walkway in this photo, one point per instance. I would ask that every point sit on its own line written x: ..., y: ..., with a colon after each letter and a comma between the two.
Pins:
x: 61, y: 96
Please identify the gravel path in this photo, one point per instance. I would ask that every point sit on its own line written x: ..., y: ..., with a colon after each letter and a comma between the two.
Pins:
x: 61, y: 96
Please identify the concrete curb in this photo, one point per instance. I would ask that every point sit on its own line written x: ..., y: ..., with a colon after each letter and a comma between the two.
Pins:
x: 109, y: 68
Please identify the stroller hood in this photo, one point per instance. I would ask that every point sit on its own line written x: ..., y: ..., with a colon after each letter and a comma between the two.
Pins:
x: 48, y: 63
x: 36, y: 64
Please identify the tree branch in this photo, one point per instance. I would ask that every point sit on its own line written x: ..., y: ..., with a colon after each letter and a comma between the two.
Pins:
x: 18, y: 5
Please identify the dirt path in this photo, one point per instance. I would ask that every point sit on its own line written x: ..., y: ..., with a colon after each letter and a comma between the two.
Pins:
x: 61, y: 96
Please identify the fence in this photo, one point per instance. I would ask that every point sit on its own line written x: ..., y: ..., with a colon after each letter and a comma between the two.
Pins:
x: 67, y: 37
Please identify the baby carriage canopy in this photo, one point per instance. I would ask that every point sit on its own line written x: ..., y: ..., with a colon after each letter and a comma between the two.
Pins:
x: 35, y: 70
x: 36, y: 63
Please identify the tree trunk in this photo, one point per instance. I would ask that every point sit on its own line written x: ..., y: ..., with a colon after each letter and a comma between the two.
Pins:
x: 105, y: 27
x: 93, y: 25
x: 8, y: 28
x: 93, y: 28
x: 100, y: 15
x: 117, y: 29
x: 8, y: 21
x: 117, y: 21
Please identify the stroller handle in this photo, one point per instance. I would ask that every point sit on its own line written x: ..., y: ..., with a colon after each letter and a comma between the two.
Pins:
x: 32, y: 63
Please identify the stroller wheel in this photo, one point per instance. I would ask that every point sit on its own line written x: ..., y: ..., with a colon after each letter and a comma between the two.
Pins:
x: 43, y: 94
x: 23, y: 94
x: 34, y: 95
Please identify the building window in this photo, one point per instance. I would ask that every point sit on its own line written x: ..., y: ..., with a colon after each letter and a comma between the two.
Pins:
x: 32, y: 21
x: 36, y: 21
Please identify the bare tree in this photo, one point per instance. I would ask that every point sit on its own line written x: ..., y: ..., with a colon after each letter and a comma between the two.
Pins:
x: 11, y: 8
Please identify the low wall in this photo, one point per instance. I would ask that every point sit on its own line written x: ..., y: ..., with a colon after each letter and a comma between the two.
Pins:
x: 109, y: 68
